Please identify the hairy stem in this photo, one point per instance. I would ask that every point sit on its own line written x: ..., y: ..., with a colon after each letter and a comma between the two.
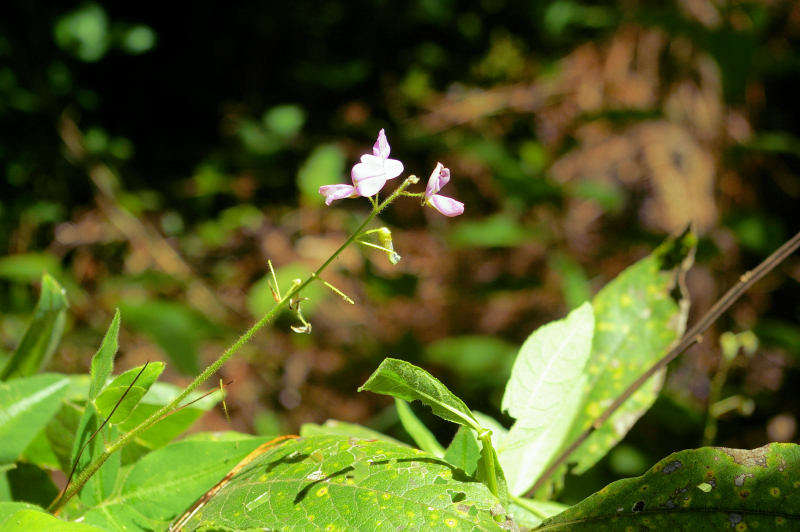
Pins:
x: 694, y: 335
x: 92, y: 468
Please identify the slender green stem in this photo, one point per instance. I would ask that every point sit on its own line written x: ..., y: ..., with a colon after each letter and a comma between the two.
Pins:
x: 92, y: 468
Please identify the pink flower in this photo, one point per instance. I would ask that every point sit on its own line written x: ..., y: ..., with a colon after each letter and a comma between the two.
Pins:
x: 337, y: 192
x: 438, y: 179
x: 370, y: 175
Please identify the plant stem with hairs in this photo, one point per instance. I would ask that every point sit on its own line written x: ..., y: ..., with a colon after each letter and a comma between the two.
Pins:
x: 294, y: 291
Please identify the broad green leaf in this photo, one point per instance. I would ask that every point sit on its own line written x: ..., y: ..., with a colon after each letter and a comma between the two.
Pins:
x: 638, y: 317
x: 27, y: 519
x: 464, y: 451
x: 164, y: 483
x: 423, y: 437
x: 406, y: 381
x: 347, y: 484
x: 712, y: 488
x: 26, y: 405
x: 530, y: 513
x: 176, y: 328
x: 43, y: 334
x: 541, y: 396
x: 7, y: 509
x: 123, y: 387
x: 340, y: 428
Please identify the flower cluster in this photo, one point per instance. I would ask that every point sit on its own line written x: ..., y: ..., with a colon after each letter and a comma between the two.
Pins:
x: 370, y: 175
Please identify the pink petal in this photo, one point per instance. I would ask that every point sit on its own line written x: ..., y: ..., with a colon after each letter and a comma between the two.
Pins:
x: 369, y: 186
x: 372, y: 159
x: 392, y: 168
x: 336, y: 192
x: 381, y: 148
x: 445, y: 205
x: 438, y: 179
x: 362, y: 171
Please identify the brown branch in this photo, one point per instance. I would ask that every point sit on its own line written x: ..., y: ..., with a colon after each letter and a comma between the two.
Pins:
x: 694, y: 335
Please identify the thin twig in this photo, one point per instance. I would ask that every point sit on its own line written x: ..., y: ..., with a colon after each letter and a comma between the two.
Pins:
x: 694, y: 335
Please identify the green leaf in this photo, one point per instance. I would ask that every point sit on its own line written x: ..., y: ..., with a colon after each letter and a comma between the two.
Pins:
x: 7, y: 509
x: 101, y: 367
x: 169, y: 428
x: 417, y: 430
x: 406, y: 381
x: 342, y: 483
x: 464, y: 451
x: 638, y: 317
x: 43, y: 334
x: 27, y: 519
x: 26, y: 405
x: 541, y: 396
x: 164, y: 483
x: 340, y: 428
x: 530, y: 513
x: 103, y: 359
x: 325, y: 166
x: 115, y: 390
x: 712, y: 488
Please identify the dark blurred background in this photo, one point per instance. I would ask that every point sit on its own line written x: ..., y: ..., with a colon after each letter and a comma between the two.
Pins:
x: 154, y: 159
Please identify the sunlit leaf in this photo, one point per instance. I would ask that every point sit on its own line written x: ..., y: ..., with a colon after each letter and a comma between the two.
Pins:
x: 26, y: 405
x: 638, y: 317
x: 406, y: 381
x: 344, y: 483
x: 541, y: 395
x: 127, y: 390
x: 712, y: 488
x: 149, y: 498
x: 530, y: 513
x: 43, y: 334
x: 26, y: 520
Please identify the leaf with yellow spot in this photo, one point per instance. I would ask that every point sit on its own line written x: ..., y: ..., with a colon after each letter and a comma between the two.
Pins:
x: 698, y: 489
x: 639, y: 316
x: 426, y: 491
